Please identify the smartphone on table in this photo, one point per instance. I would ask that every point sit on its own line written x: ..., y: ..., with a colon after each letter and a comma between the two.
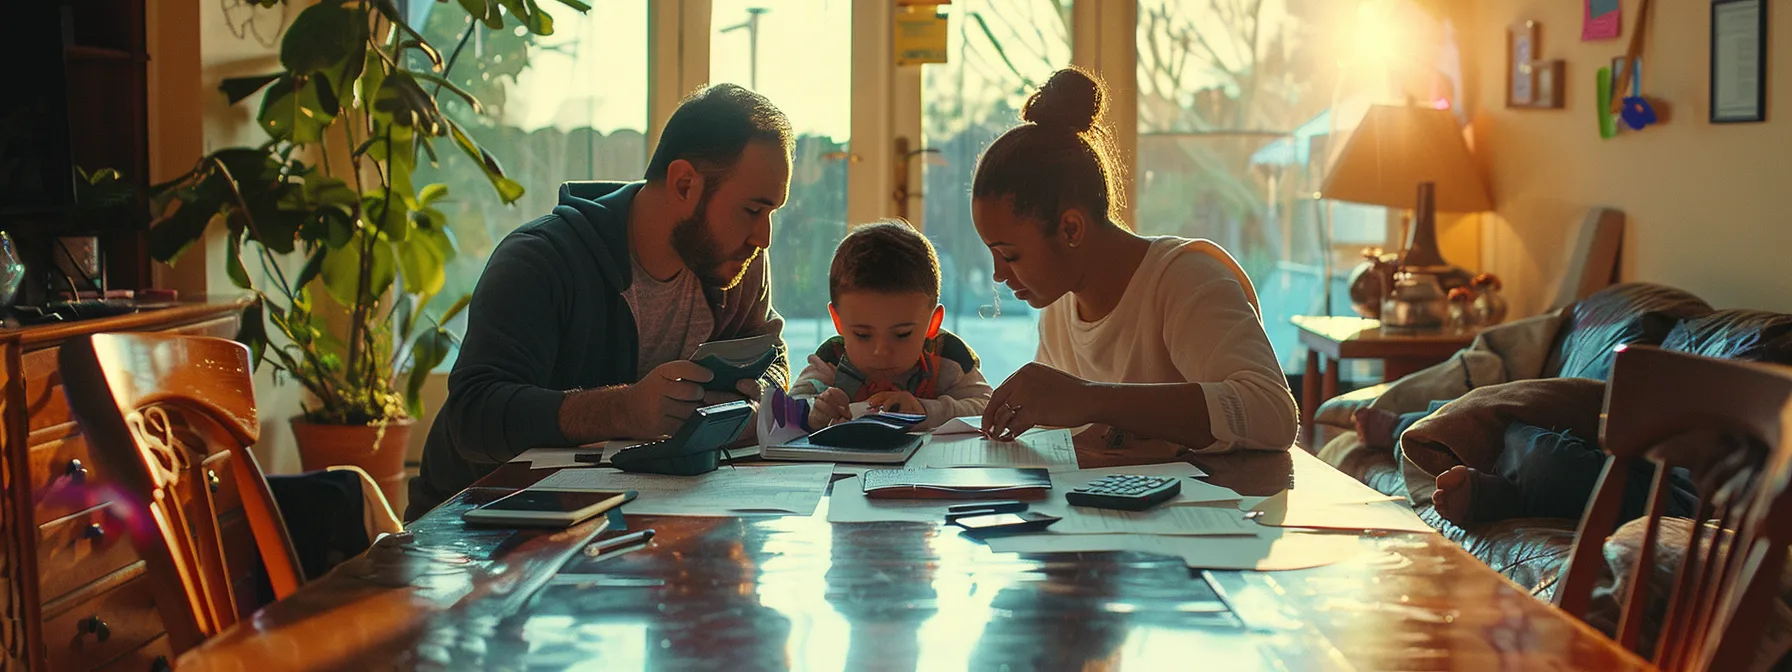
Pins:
x: 546, y: 508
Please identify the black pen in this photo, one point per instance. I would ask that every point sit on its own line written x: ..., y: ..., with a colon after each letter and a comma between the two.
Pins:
x: 600, y: 547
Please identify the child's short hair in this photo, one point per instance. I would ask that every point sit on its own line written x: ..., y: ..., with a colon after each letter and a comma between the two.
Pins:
x: 889, y: 256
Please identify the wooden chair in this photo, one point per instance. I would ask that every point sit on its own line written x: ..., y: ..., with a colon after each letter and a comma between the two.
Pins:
x: 1729, y: 424
x: 164, y: 413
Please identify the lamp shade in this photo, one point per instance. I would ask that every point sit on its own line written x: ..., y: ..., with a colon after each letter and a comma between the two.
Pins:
x: 1396, y: 148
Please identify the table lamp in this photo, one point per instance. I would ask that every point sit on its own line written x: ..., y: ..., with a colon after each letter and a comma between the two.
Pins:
x: 1413, y: 158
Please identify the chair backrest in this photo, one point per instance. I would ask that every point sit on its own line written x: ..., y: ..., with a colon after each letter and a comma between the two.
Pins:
x: 1725, y: 422
x: 169, y: 415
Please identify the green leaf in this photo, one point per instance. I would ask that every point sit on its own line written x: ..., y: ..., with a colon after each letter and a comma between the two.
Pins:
x: 314, y: 265
x: 455, y: 309
x: 432, y: 193
x: 485, y: 11
x: 429, y: 351
x: 421, y: 263
x: 325, y: 190
x: 235, y: 89
x: 322, y: 35
x: 401, y: 314
x: 233, y: 264
x: 392, y: 218
x: 575, y: 4
x: 444, y: 83
x: 429, y: 52
x: 373, y: 76
x: 294, y: 116
x: 321, y: 87
x: 342, y: 270
x: 341, y: 232
x: 508, y: 190
x: 405, y: 102
x: 174, y: 233
x: 253, y: 331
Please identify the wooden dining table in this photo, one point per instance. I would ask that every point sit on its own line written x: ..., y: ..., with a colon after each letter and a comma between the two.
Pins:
x: 798, y: 592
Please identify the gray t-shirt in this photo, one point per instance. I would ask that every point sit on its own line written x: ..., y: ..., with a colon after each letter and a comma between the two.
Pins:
x: 672, y: 317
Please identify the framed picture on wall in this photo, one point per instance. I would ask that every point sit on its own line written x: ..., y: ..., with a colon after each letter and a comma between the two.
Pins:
x: 1521, y: 74
x: 1738, y: 61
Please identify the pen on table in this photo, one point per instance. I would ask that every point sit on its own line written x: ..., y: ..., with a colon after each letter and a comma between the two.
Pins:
x: 599, y: 547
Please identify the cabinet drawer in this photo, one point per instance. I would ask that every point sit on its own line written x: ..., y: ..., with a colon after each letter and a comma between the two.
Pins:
x: 65, y: 480
x: 44, y: 399
x: 78, y: 550
x: 156, y: 656
x: 102, y: 628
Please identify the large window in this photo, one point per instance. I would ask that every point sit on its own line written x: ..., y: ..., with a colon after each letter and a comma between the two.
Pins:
x: 1000, y: 51
x: 1236, y: 100
x: 567, y: 106
x: 799, y: 54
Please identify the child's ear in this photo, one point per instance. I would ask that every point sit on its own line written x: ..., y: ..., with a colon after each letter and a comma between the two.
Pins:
x: 933, y: 325
x: 836, y: 315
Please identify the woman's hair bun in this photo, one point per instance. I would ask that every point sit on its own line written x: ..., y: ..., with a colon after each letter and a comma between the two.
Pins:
x: 1071, y: 100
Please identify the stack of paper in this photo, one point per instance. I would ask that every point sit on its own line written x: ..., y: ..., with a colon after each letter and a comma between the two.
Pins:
x: 1045, y: 448
x: 793, y: 489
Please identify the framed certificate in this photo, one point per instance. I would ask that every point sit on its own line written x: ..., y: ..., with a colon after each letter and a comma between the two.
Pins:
x: 1738, y: 61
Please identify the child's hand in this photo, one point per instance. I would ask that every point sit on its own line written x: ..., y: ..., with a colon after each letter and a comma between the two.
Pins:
x: 829, y: 407
x: 896, y: 401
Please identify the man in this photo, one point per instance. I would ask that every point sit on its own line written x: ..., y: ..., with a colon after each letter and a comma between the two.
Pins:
x: 580, y: 327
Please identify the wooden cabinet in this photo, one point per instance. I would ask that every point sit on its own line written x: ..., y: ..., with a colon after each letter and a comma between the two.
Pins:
x: 74, y: 595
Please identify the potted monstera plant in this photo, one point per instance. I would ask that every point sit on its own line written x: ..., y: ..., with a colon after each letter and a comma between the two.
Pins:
x: 340, y: 251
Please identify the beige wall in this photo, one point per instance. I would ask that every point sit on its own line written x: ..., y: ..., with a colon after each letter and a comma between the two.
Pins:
x: 194, y: 46
x: 1707, y: 204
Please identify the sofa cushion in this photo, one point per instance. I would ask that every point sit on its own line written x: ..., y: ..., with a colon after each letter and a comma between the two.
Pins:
x: 1748, y: 335
x: 1631, y: 313
x: 1529, y: 551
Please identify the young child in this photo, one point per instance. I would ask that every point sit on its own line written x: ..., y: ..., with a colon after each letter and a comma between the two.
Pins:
x: 884, y: 287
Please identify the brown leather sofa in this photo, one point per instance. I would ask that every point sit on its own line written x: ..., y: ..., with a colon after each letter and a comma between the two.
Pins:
x: 1531, y: 551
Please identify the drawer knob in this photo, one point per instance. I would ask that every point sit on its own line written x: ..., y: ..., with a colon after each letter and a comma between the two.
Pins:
x: 95, y: 533
x: 211, y: 479
x: 76, y: 471
x: 98, y: 628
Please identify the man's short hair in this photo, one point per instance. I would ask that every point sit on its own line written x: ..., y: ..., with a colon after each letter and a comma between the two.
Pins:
x: 711, y: 128
x: 889, y: 256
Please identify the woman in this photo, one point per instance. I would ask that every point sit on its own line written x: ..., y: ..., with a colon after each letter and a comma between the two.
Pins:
x: 1136, y: 332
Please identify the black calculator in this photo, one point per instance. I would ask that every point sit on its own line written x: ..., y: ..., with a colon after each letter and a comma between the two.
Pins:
x: 1126, y: 493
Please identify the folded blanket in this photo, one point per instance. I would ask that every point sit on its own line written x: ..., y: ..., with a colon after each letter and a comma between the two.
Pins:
x: 1516, y: 350
x: 1472, y: 429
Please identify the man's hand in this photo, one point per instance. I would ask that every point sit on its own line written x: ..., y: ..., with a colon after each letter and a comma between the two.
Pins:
x: 748, y: 390
x: 896, y: 401
x: 665, y: 397
x: 829, y: 407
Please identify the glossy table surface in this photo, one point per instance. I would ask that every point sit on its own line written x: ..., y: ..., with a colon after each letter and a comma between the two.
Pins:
x: 801, y: 593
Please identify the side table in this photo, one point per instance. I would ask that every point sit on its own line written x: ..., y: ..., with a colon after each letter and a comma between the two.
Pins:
x: 1338, y: 338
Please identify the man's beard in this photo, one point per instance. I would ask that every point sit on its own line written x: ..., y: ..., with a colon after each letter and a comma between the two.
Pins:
x: 702, y: 253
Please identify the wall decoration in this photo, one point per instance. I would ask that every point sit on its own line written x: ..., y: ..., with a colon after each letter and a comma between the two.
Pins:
x: 1601, y: 19
x: 1738, y: 61
x: 1521, y: 50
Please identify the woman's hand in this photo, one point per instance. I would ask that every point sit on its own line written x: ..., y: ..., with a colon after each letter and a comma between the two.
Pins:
x: 1036, y: 395
x: 896, y: 401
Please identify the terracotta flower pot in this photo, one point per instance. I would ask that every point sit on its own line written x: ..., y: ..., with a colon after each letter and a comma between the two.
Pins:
x: 322, y: 446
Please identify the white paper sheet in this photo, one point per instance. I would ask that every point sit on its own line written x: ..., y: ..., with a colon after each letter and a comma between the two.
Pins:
x: 1281, y: 511
x: 1271, y: 550
x: 794, y: 489
x: 1050, y: 449
x: 970, y: 424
